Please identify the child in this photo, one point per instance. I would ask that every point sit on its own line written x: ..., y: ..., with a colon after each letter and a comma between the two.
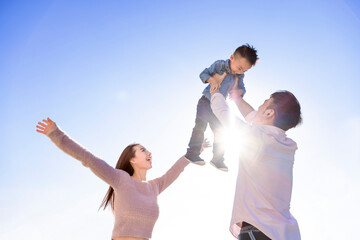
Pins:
x: 234, y: 68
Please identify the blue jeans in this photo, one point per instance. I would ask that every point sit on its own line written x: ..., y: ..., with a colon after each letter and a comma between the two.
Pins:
x: 205, y: 115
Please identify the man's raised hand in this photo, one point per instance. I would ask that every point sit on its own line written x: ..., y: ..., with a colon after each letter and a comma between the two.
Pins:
x: 236, y: 94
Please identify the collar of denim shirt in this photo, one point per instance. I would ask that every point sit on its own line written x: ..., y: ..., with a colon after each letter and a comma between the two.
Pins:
x: 227, y: 65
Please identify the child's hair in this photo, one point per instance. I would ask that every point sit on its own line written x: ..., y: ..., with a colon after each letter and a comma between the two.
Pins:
x: 247, y: 51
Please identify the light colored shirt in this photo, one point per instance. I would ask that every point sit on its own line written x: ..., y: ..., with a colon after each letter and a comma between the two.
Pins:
x: 136, y: 208
x: 265, y: 176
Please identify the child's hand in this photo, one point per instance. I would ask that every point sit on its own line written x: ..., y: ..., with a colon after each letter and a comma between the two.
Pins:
x: 215, y: 81
x: 213, y: 84
x: 236, y: 94
x: 219, y: 78
x: 213, y: 87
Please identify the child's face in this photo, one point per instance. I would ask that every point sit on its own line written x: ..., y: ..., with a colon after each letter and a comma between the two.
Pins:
x: 239, y: 65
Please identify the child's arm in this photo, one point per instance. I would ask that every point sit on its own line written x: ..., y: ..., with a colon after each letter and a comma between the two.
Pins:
x: 206, y: 76
x: 216, y: 81
x: 216, y: 67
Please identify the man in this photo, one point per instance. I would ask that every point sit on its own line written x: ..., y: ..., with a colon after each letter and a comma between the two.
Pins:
x: 264, y: 182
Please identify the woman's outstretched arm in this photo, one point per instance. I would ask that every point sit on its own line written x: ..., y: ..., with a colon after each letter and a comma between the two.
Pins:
x: 64, y: 142
x: 173, y: 173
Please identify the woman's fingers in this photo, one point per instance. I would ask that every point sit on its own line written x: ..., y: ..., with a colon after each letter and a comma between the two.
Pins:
x: 41, y: 124
x: 39, y: 131
x: 45, y: 126
x: 206, y: 143
x: 49, y: 120
x: 40, y: 128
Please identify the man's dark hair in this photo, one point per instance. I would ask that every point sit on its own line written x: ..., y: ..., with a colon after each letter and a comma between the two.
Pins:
x: 248, y: 52
x: 287, y: 110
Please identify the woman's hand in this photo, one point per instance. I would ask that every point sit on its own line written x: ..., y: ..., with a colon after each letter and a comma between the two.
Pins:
x: 46, y: 127
x: 205, y: 144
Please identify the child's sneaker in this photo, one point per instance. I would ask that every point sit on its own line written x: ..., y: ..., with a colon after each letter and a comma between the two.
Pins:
x: 194, y: 159
x: 219, y: 164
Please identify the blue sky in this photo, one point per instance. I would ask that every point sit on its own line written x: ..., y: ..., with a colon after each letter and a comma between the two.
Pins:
x: 115, y: 72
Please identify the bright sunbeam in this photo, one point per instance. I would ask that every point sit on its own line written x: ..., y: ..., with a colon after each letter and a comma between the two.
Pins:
x: 234, y: 138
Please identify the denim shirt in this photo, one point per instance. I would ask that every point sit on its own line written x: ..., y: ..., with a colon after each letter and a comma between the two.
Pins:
x: 227, y: 84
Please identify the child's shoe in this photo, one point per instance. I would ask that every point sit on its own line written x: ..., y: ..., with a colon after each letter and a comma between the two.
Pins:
x: 219, y: 164
x: 194, y: 159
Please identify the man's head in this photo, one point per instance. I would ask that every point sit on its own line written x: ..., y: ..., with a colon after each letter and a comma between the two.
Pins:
x: 243, y: 59
x: 281, y: 110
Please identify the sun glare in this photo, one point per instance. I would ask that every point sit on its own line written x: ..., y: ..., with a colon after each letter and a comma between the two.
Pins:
x: 233, y: 138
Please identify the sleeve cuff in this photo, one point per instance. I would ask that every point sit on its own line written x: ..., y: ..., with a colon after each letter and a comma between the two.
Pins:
x: 54, y: 131
x: 214, y: 95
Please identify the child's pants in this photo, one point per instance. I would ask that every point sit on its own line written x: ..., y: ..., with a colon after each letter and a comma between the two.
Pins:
x: 205, y: 115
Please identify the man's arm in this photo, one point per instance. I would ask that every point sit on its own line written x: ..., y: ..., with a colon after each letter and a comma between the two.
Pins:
x: 241, y: 84
x: 236, y: 95
x: 222, y: 111
x: 243, y: 106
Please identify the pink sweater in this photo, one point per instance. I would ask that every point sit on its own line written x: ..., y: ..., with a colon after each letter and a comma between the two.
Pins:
x: 136, y: 208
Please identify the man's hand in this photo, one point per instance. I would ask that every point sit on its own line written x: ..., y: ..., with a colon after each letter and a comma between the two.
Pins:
x: 236, y: 94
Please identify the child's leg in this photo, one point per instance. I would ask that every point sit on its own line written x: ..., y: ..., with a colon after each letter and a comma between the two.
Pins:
x: 218, y: 146
x: 197, y: 137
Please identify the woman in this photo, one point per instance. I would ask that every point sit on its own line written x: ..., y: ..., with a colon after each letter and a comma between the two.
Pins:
x: 132, y: 198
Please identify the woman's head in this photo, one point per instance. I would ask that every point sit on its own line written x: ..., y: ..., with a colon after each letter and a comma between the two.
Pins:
x: 142, y: 158
x: 133, y: 157
x: 124, y: 160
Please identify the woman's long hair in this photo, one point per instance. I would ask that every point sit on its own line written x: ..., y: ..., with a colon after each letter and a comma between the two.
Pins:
x: 123, y: 164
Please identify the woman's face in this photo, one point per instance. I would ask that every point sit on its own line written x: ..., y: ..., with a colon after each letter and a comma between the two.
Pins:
x: 142, y: 159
